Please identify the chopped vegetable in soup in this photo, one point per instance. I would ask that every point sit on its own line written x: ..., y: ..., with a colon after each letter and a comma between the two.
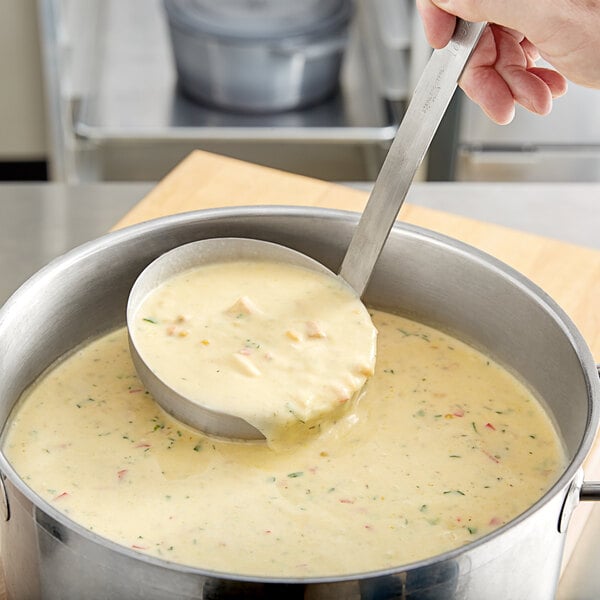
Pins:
x: 278, y: 345
x: 443, y: 447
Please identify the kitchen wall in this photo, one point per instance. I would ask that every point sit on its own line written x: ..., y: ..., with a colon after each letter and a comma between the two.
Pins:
x: 22, y: 113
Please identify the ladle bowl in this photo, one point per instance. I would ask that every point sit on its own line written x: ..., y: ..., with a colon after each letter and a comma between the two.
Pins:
x: 178, y: 260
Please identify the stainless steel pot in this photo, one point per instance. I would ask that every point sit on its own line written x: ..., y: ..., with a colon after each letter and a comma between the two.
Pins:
x: 421, y: 274
x: 258, y: 57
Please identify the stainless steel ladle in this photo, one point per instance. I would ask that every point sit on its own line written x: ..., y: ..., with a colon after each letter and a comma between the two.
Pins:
x: 421, y: 120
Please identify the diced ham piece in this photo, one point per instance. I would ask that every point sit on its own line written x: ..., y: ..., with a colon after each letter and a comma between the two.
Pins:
x: 314, y: 330
x: 246, y: 365
x: 366, y: 370
x: 243, y: 306
x: 343, y: 393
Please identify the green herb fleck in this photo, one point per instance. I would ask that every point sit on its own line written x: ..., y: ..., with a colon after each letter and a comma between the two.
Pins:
x: 150, y: 320
x: 291, y: 410
x: 296, y: 474
x: 86, y: 401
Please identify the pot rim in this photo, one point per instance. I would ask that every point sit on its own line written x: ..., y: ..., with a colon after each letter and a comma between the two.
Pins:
x: 400, y: 228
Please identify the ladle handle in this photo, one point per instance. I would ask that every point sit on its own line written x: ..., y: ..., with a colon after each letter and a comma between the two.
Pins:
x: 421, y: 120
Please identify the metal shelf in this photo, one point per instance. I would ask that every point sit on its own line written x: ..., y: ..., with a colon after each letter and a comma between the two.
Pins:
x: 136, y: 93
x: 127, y: 118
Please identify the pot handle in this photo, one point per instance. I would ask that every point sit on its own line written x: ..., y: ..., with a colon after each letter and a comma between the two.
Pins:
x: 590, y: 490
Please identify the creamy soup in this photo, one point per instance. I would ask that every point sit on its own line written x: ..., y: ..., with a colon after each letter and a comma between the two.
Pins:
x: 278, y: 345
x: 443, y: 447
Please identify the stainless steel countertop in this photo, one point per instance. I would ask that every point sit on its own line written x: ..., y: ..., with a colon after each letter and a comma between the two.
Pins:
x: 41, y: 221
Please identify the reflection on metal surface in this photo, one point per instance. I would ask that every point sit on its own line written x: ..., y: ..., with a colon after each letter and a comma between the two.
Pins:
x: 4, y: 507
x: 571, y: 502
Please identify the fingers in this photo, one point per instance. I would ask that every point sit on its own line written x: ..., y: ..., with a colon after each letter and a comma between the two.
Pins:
x: 512, y: 65
x: 438, y: 25
x: 531, y: 52
x: 501, y: 72
x: 481, y: 82
x: 556, y: 83
x: 485, y: 87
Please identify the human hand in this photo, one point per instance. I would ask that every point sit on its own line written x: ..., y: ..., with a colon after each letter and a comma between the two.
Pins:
x: 502, y: 69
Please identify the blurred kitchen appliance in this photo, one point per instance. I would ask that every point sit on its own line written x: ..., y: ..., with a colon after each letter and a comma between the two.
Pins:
x: 117, y: 113
x: 258, y: 56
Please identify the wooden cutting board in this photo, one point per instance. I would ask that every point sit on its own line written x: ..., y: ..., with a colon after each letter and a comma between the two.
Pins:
x: 568, y: 273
